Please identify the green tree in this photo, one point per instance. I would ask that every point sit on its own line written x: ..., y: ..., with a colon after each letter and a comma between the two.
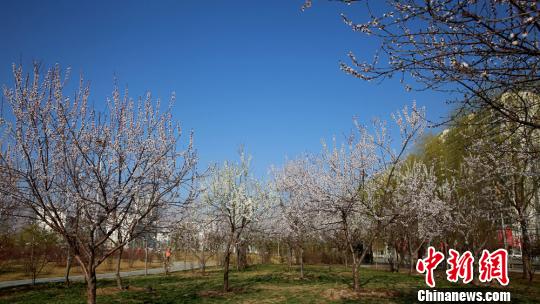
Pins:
x: 39, y: 247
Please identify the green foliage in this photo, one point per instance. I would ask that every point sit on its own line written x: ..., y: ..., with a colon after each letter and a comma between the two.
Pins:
x: 445, y: 151
x: 37, y: 247
x: 37, y: 236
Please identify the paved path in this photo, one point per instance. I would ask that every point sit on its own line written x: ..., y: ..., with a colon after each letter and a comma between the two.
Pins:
x: 177, y: 266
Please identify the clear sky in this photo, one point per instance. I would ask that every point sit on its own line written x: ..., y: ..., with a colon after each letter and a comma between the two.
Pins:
x: 258, y: 73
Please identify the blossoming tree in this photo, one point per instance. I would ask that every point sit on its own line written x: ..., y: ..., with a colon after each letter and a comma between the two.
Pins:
x: 350, y: 187
x: 295, y: 207
x: 423, y: 214
x: 474, y: 49
x: 235, y: 199
x: 105, y: 171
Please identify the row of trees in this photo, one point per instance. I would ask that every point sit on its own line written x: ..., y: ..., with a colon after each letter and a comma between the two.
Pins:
x: 458, y: 189
x: 350, y: 188
x: 484, y: 55
x: 101, y: 180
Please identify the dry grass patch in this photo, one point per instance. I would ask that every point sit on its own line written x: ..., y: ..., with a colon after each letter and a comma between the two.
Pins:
x: 292, y: 288
x: 334, y: 294
x: 114, y: 290
x: 220, y: 293
x: 339, y: 294
x: 277, y: 299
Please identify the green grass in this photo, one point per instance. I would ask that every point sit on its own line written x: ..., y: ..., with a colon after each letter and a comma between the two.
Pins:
x: 258, y: 284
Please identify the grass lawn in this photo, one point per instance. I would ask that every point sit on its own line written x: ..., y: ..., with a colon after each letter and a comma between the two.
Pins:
x: 258, y: 284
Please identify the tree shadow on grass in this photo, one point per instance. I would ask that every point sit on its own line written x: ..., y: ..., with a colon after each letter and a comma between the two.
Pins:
x: 363, y: 283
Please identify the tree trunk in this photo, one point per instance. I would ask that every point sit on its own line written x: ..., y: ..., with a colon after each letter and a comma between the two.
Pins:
x: 226, y: 270
x: 237, y: 249
x: 414, y: 256
x: 279, y: 252
x: 411, y: 263
x: 203, y: 267
x: 301, y: 262
x: 145, y: 257
x: 68, y: 266
x: 526, y: 250
x: 227, y: 260
x: 289, y: 260
x: 203, y: 264
x: 358, y: 261
x: 91, y: 286
x: 118, y: 266
x: 242, y: 255
x: 397, y: 261
x: 391, y: 263
x: 32, y: 262
x: 167, y: 260
x: 356, y: 283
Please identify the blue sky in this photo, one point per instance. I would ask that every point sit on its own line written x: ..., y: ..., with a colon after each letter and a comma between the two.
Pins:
x: 258, y: 73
